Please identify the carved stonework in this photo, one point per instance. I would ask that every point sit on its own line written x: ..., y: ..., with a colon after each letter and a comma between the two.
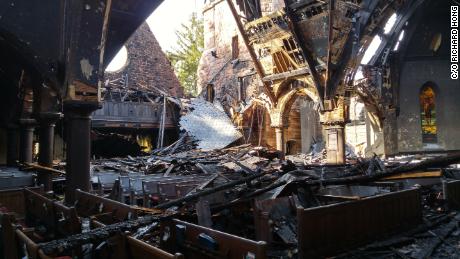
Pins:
x: 276, y: 118
x: 335, y: 117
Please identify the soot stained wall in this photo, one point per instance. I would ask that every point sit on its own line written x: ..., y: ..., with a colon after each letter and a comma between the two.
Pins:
x: 421, y: 65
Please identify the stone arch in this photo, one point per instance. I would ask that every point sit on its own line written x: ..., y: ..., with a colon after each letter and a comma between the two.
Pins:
x: 295, y: 137
x: 291, y: 93
x: 257, y: 122
x: 433, y: 85
x: 296, y: 84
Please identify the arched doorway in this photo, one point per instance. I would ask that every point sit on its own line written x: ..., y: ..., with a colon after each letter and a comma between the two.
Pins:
x: 428, y: 113
x: 257, y: 127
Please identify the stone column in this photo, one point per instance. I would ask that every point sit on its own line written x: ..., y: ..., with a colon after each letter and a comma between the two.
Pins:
x: 335, y: 143
x: 12, y: 151
x: 26, y: 140
x: 279, y: 133
x: 78, y: 138
x: 47, y: 122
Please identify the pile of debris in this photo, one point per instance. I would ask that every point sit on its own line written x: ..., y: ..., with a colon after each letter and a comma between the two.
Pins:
x: 209, y: 125
x: 239, y: 190
x: 300, y: 209
x: 183, y: 144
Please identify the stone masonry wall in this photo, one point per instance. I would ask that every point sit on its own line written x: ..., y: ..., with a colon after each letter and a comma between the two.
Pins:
x: 217, y: 66
x: 147, y: 65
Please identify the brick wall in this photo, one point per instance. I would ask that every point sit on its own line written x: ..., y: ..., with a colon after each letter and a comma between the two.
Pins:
x: 220, y: 69
x: 147, y: 65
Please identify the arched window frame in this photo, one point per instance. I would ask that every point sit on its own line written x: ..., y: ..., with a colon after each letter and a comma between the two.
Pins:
x: 429, y: 125
x: 210, y: 93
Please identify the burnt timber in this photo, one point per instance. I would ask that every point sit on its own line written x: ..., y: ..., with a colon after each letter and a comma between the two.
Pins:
x: 270, y: 70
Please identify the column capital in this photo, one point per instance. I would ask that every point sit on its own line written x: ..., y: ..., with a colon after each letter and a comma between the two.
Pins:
x: 277, y: 119
x: 49, y: 116
x: 78, y: 109
x: 27, y: 122
x: 333, y: 124
x: 72, y: 105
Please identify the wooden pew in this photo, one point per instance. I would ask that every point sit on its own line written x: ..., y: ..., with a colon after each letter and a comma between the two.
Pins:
x: 140, y: 250
x: 102, y: 209
x: 197, y: 242
x: 327, y: 230
x: 127, y: 247
x: 61, y: 219
x: 67, y: 220
x: 13, y: 199
x: 39, y: 211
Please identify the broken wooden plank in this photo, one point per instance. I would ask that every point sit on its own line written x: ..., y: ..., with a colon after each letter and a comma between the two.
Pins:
x: 438, y: 239
x: 203, y: 213
x: 416, y: 174
x: 73, y: 241
x: 44, y: 169
x: 170, y: 168
x: 430, y: 163
x: 194, y: 196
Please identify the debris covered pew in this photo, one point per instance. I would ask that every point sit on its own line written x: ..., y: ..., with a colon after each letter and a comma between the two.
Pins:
x: 330, y: 229
x: 198, y: 242
x: 102, y: 209
x: 44, y: 220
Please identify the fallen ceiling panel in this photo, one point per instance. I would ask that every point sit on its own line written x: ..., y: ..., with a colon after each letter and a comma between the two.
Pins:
x: 209, y: 124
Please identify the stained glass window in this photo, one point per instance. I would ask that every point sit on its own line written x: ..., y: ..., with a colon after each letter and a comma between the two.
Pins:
x: 428, y: 114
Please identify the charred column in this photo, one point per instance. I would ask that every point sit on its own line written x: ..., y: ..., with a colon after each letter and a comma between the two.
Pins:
x: 26, y: 140
x: 78, y: 138
x: 47, y: 122
x: 12, y: 153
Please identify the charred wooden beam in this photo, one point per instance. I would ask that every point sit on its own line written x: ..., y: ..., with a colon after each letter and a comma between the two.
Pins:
x: 329, y: 48
x: 409, y: 9
x: 435, y: 162
x: 285, y: 75
x: 296, y: 31
x: 180, y: 201
x: 99, y: 234
x: 337, y: 73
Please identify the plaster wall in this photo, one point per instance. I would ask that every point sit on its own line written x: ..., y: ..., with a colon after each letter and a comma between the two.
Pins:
x: 413, y: 76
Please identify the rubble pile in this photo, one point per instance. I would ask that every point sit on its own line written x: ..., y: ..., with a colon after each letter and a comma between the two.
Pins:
x: 299, y: 208
x: 253, y: 192
x: 209, y: 124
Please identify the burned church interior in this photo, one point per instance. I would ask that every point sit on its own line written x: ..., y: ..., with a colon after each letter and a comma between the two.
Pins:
x: 316, y: 129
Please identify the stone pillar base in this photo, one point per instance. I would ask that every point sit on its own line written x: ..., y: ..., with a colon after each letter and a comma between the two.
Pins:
x: 335, y: 144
